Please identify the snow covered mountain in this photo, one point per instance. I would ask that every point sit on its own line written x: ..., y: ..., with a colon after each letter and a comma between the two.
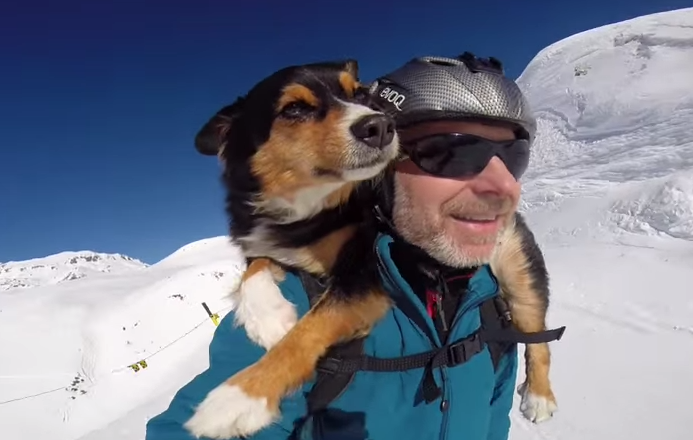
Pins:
x: 620, y: 99
x: 63, y: 267
x: 79, y: 339
x: 608, y: 195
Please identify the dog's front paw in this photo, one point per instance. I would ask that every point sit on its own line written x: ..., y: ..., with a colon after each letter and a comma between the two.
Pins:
x: 263, y: 311
x: 276, y: 321
x: 535, y: 407
x: 229, y: 412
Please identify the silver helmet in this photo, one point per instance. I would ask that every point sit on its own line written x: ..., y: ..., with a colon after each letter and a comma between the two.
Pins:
x: 466, y: 87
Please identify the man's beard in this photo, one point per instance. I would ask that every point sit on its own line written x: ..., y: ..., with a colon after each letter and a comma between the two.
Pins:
x: 428, y: 233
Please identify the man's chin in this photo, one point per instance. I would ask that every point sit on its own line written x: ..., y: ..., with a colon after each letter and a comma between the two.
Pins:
x: 476, y: 254
x: 472, y: 248
x: 456, y: 253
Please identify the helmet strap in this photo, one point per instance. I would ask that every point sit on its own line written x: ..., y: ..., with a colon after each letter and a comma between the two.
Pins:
x: 385, y: 200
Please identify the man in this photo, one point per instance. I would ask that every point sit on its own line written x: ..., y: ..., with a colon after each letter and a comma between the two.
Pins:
x: 443, y: 209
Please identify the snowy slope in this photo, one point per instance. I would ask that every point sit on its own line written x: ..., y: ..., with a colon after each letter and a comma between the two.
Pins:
x: 80, y: 337
x: 618, y: 99
x: 63, y: 267
x: 608, y: 195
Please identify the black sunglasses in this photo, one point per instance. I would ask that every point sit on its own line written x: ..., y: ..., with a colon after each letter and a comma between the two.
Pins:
x: 457, y: 155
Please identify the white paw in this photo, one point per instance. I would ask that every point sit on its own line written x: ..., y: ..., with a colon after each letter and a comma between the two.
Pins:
x: 534, y: 407
x: 263, y: 311
x: 228, y: 412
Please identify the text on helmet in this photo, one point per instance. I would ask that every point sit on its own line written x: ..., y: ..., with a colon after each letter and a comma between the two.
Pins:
x: 393, y: 96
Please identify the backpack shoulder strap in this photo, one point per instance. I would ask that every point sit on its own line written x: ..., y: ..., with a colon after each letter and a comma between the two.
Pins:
x: 328, y: 386
x: 340, y: 364
x: 493, y: 319
x: 498, y: 326
x: 313, y: 286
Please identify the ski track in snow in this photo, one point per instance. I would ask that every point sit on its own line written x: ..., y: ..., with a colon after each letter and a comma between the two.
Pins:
x: 609, y: 196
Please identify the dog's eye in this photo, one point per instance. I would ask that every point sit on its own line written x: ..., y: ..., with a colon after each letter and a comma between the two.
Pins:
x: 361, y: 95
x: 296, y: 110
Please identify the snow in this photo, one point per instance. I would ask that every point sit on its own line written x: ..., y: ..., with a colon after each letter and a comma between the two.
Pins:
x: 62, y: 267
x: 609, y: 195
x: 80, y: 337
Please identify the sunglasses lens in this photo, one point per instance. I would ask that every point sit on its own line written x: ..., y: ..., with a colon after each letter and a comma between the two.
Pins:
x: 432, y: 154
x: 516, y: 158
x: 460, y: 155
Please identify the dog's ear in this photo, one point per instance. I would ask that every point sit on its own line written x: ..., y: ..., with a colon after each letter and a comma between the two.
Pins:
x: 208, y: 140
x: 352, y: 66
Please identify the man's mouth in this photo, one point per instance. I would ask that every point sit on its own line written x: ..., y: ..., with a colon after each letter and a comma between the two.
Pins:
x: 479, y: 224
x: 487, y: 218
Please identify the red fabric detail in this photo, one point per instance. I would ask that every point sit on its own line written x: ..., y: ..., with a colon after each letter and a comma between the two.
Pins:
x: 430, y: 302
x: 461, y: 277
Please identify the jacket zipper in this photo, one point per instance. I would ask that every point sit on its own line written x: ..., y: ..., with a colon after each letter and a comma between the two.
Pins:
x: 383, y: 266
x: 441, y: 292
x: 446, y: 392
x: 471, y: 305
x: 445, y: 398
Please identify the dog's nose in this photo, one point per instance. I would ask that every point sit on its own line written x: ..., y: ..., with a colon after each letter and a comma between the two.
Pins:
x: 376, y: 131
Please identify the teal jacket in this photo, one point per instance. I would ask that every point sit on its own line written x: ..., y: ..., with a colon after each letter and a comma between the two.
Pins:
x: 383, y: 406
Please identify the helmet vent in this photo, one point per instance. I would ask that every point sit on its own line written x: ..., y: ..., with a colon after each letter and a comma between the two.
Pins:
x: 476, y: 64
x: 441, y: 62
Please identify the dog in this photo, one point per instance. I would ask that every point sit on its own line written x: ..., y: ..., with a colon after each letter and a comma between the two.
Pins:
x: 301, y: 155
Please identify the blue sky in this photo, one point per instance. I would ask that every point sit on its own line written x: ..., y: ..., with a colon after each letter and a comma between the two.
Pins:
x: 100, y: 100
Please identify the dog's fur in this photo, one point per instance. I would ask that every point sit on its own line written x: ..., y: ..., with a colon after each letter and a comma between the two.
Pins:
x: 300, y: 190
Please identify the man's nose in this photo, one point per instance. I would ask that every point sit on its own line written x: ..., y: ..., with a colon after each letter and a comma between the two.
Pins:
x: 495, y: 179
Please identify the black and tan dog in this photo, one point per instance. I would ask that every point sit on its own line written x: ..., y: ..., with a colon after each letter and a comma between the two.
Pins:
x: 301, y: 155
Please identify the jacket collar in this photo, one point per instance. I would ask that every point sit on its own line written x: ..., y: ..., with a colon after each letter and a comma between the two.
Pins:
x: 482, y: 285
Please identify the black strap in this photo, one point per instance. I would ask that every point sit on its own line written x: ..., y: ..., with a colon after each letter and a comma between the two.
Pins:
x: 449, y: 355
x: 513, y: 336
x: 313, y: 286
x: 328, y: 387
x: 493, y: 317
x: 338, y: 367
